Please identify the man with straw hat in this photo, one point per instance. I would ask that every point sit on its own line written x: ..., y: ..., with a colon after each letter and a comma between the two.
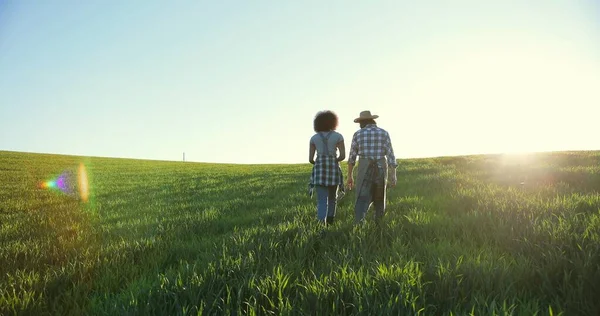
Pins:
x: 373, y: 145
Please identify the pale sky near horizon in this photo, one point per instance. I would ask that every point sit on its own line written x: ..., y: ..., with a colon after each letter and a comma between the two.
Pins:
x: 241, y: 81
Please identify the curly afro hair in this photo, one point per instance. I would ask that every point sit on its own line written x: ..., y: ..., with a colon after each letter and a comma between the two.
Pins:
x: 325, y: 121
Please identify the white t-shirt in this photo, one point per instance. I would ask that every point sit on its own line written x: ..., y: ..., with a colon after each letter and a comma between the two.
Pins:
x: 334, y: 139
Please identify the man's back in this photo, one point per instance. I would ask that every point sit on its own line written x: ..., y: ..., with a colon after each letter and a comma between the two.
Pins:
x: 372, y: 142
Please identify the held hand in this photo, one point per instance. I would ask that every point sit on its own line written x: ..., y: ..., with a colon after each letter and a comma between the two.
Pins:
x: 392, y: 181
x: 350, y: 184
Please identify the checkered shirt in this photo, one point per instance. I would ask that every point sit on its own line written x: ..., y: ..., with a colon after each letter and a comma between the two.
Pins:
x: 372, y: 142
x: 326, y: 171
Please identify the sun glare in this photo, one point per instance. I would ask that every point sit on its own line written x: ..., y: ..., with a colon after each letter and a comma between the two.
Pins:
x: 514, y: 99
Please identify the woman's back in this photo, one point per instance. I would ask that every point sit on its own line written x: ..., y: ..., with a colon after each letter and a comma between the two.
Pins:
x: 332, y: 137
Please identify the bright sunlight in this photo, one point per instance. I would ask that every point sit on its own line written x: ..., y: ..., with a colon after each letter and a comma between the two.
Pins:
x: 513, y: 98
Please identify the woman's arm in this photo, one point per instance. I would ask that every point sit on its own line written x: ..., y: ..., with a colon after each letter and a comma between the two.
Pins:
x: 311, y: 153
x: 342, y: 149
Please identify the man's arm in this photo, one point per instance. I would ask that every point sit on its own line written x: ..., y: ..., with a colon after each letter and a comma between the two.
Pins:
x: 391, y: 160
x: 350, y: 181
x: 351, y: 161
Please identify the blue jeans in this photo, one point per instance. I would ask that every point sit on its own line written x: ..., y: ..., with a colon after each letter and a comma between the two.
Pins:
x: 326, y: 201
x: 371, y: 191
x: 365, y: 199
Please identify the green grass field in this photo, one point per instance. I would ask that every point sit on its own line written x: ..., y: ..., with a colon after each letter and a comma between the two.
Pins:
x: 461, y: 236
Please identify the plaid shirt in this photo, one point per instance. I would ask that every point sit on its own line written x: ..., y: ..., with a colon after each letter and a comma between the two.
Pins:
x: 372, y: 142
x: 326, y: 171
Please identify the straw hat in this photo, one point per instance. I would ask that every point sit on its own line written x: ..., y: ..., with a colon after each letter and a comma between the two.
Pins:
x: 365, y: 115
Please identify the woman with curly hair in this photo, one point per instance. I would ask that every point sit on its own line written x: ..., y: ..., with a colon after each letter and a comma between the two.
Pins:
x: 326, y: 174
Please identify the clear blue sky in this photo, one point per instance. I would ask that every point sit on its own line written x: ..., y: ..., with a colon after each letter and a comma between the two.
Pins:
x: 240, y: 81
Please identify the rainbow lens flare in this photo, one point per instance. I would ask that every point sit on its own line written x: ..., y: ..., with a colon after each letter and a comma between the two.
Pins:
x: 83, y: 183
x: 71, y: 183
x: 49, y: 184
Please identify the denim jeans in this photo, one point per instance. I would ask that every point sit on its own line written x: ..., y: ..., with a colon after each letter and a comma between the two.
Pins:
x: 371, y: 190
x: 326, y: 201
x: 363, y: 202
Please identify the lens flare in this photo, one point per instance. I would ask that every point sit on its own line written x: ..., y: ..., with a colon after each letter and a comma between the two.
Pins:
x: 49, y: 184
x: 83, y: 183
x: 70, y: 183
x: 60, y: 183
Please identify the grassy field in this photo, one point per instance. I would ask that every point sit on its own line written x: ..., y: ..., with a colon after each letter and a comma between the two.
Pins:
x: 476, y: 235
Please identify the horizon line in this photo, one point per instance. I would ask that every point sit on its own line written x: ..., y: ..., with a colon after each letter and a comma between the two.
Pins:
x: 300, y: 163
